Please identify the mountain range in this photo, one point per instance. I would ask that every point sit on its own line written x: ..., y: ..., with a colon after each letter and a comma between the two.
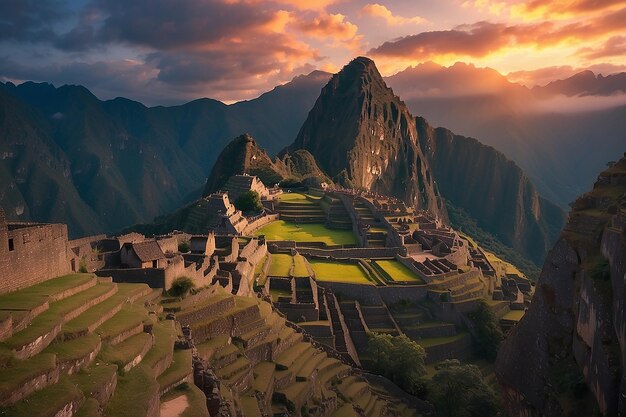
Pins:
x: 359, y: 134
x: 101, y: 166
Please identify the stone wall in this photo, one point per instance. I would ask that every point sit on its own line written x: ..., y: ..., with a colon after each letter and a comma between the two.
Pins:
x: 259, y: 222
x: 352, y: 252
x: 31, y: 253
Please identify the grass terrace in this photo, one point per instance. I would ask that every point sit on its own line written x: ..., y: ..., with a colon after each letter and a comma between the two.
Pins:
x: 306, y: 232
x: 299, y: 266
x: 281, y: 265
x: 396, y: 271
x: 339, y: 272
x: 514, y: 315
x: 299, y: 198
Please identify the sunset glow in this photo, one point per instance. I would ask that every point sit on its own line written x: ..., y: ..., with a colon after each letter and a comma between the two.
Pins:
x: 167, y: 51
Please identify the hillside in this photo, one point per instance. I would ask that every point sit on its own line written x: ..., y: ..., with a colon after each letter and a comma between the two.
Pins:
x: 105, y: 165
x: 493, y: 190
x: 566, y: 357
x: 363, y: 137
x: 561, y: 134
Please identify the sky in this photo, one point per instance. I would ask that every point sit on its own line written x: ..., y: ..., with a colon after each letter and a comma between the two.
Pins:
x: 172, y: 51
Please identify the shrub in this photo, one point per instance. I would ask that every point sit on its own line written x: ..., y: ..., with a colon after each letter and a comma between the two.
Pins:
x: 399, y: 359
x: 181, y: 287
x: 459, y: 391
x: 183, y: 247
x: 488, y: 334
x: 249, y: 202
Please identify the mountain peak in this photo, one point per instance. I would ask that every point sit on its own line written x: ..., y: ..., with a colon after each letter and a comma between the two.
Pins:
x: 364, y: 137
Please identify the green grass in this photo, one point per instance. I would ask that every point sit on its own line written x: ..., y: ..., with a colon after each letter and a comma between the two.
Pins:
x: 92, y: 379
x: 339, y: 272
x: 298, y: 198
x: 434, y: 341
x: 133, y: 394
x: 300, y: 269
x: 398, y: 272
x: 306, y: 232
x: 127, y: 318
x: 46, y: 402
x: 31, y: 297
x: 180, y: 368
x: 280, y: 266
x: 74, y: 349
x: 14, y: 377
x: 514, y: 315
x: 164, y: 337
x: 123, y: 353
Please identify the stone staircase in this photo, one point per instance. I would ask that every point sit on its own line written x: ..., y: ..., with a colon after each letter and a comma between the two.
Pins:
x: 301, y: 212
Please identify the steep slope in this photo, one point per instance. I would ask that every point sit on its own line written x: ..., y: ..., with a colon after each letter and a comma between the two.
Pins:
x: 122, y: 162
x: 243, y: 156
x: 363, y: 137
x: 561, y: 135
x: 571, y: 345
x: 491, y: 189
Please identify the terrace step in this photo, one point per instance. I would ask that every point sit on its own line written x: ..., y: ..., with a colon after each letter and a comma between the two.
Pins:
x: 179, y: 371
x: 130, y: 352
x: 60, y: 399
x: 136, y: 394
x: 75, y: 354
x: 24, y: 377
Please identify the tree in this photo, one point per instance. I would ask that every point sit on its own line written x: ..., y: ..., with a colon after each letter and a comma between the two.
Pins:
x: 249, y: 202
x: 181, y: 287
x: 459, y: 391
x: 398, y: 358
x: 488, y: 333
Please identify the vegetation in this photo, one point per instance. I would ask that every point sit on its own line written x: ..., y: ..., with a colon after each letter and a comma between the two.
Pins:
x: 339, y: 272
x: 280, y: 265
x: 398, y: 272
x: 459, y: 391
x: 399, y: 359
x: 488, y: 333
x: 249, y: 202
x: 461, y: 221
x: 183, y: 247
x: 306, y: 232
x: 181, y: 287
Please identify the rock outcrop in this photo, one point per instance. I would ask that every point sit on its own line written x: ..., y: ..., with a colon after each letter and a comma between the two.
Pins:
x: 243, y: 156
x: 363, y: 136
x: 493, y: 190
x: 567, y: 356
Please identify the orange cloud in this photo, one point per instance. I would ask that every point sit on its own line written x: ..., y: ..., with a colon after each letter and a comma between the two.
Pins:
x: 324, y: 26
x: 613, y: 47
x: 562, y: 8
x: 382, y: 12
x: 483, y: 39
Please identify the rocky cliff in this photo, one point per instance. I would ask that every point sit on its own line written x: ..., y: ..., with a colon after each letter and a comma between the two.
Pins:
x: 492, y: 189
x: 243, y: 156
x: 363, y: 136
x: 567, y: 356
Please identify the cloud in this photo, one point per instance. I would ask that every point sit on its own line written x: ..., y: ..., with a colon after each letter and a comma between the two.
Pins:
x: 333, y: 26
x: 562, y: 8
x: 543, y: 76
x: 483, y: 38
x: 382, y: 12
x: 30, y: 20
x: 574, y: 104
x: 615, y: 46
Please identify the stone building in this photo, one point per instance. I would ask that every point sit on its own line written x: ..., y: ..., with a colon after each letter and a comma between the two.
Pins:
x: 146, y: 254
x: 31, y: 253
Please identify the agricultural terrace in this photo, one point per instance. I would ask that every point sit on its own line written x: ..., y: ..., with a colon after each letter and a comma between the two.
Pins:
x: 339, y: 272
x: 306, y: 232
x: 396, y: 271
x: 280, y: 266
x: 298, y: 198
